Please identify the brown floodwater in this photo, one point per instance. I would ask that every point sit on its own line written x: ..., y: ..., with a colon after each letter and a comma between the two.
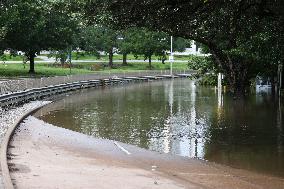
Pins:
x: 177, y: 117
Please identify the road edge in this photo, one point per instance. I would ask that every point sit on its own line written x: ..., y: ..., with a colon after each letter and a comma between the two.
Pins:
x: 7, y: 181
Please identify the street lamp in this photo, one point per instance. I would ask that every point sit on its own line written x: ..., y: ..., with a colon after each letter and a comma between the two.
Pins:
x: 171, y: 58
x: 280, y: 70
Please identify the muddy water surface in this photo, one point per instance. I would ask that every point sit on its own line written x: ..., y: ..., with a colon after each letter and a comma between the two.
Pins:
x: 180, y: 118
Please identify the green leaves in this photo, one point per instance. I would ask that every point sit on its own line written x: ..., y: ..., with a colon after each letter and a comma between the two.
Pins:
x: 97, y: 38
x: 202, y: 64
x: 141, y: 41
x: 38, y: 25
x: 32, y: 26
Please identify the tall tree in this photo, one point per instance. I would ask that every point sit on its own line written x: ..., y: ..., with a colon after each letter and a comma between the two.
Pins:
x: 125, y: 45
x: 225, y: 27
x: 2, y: 26
x: 180, y: 44
x: 146, y: 43
x: 32, y: 26
x: 99, y: 38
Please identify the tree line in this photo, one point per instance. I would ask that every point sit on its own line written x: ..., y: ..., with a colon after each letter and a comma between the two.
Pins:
x: 245, y: 38
x: 61, y: 26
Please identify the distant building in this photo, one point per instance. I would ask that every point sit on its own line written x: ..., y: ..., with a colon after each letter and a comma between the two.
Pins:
x: 193, y: 50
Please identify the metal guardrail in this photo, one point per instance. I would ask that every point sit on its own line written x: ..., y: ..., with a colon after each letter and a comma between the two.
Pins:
x: 11, y: 86
x: 25, y: 90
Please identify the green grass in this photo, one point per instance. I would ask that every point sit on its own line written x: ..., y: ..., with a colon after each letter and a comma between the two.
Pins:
x: 119, y: 57
x: 105, y: 57
x: 138, y: 66
x: 43, y: 69
x: 16, y: 70
x: 7, y: 57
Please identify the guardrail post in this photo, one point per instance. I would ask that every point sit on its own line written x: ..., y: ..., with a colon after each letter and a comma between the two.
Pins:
x: 26, y: 84
x: 18, y: 85
x: 40, y: 84
x: 1, y: 89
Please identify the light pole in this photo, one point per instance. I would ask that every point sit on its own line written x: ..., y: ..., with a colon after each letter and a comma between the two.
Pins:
x: 280, y: 69
x: 171, y: 56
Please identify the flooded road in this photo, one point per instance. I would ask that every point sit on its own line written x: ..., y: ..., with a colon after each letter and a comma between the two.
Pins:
x: 180, y: 118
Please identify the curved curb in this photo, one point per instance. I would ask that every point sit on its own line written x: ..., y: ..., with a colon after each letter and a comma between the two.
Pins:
x: 7, y: 181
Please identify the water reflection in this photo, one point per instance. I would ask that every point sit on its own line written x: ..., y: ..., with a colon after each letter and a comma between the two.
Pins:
x: 178, y: 117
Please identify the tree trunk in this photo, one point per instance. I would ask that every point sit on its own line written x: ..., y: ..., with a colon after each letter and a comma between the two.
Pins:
x: 70, y: 61
x: 62, y: 61
x: 110, y: 56
x: 163, y: 60
x: 238, y: 88
x: 32, y: 62
x: 238, y: 80
x: 273, y: 86
x: 124, y: 59
x: 150, y: 62
x: 236, y: 72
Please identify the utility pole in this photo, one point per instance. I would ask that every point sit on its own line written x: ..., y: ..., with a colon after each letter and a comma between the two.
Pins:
x: 70, y: 59
x: 171, y: 56
x: 280, y: 76
x: 220, y: 77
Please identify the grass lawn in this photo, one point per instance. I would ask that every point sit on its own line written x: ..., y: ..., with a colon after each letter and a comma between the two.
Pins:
x: 119, y: 57
x: 16, y: 70
x: 43, y: 69
x: 138, y: 66
x: 7, y: 57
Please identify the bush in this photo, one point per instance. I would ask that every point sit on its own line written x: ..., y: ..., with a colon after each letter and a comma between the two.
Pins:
x: 206, y: 70
x: 208, y: 80
x: 96, y: 67
x: 201, y: 64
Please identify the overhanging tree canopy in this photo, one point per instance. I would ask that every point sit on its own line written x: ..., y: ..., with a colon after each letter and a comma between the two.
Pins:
x: 230, y: 29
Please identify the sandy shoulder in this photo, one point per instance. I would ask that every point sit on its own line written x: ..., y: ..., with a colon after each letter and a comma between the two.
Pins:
x: 45, y: 156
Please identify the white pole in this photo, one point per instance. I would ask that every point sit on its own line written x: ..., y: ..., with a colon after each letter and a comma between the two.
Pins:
x: 171, y: 58
x: 280, y: 77
x: 220, y: 97
x: 220, y: 81
x: 171, y: 45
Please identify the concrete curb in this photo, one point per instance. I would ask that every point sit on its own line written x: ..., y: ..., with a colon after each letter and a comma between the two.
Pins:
x: 7, y: 181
